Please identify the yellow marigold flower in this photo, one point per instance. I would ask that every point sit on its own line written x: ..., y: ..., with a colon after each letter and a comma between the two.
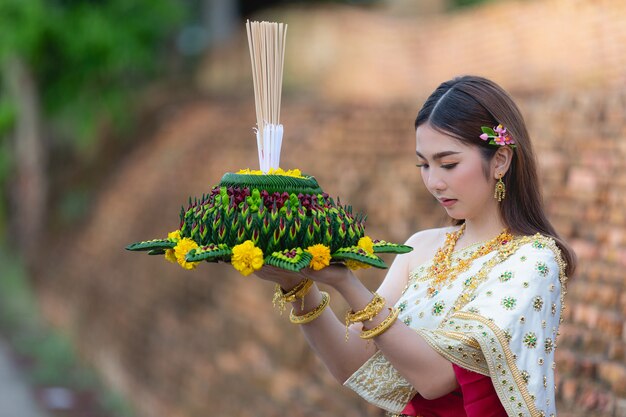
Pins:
x: 170, y: 255
x: 321, y: 256
x: 183, y: 246
x: 289, y: 173
x: 273, y: 171
x: 249, y: 171
x: 366, y: 244
x: 247, y: 258
x: 175, y: 235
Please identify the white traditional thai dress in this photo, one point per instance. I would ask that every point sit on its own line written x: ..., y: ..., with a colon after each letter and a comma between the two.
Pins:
x: 499, y: 318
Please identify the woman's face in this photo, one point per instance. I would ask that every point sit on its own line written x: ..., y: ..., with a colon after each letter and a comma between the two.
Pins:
x: 453, y: 172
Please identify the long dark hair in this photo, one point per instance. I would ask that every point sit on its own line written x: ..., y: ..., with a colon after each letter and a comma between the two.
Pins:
x: 459, y: 108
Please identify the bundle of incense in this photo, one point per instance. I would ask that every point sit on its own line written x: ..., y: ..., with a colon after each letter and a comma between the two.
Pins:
x: 267, y: 53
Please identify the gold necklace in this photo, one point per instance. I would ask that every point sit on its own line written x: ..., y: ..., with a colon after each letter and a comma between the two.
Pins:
x: 441, y: 270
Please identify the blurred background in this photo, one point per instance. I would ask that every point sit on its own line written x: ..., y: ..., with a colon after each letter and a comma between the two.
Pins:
x: 114, y: 112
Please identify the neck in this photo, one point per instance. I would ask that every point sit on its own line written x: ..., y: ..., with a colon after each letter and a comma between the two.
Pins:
x: 480, y: 229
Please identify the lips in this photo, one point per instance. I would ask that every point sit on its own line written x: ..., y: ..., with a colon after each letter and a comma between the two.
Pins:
x: 447, y: 202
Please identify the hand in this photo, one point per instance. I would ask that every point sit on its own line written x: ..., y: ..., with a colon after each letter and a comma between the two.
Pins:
x: 334, y: 275
x: 286, y: 279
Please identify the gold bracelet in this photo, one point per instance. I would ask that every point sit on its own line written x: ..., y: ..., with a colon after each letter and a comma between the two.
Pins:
x: 281, y: 298
x: 313, y: 314
x: 370, y: 311
x: 383, y: 326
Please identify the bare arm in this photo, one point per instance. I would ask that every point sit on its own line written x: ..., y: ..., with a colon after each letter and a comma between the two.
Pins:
x: 429, y: 373
x: 326, y: 334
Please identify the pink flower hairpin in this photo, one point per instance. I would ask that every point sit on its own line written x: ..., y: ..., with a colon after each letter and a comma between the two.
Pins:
x: 497, y: 136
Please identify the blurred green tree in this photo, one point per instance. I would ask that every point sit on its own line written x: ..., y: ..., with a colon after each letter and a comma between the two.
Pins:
x: 461, y: 4
x: 67, y: 67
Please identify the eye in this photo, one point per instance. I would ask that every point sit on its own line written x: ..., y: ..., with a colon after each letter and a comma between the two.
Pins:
x: 449, y: 166
x: 422, y: 165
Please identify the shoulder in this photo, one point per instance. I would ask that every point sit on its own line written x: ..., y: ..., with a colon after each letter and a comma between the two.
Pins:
x: 425, y: 244
x: 525, y: 275
x: 429, y: 236
x: 537, y: 252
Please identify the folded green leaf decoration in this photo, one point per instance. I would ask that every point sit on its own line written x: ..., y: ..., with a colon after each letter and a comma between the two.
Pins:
x: 282, y: 218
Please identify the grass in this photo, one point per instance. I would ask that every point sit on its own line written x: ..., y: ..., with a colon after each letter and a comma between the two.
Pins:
x: 50, y: 354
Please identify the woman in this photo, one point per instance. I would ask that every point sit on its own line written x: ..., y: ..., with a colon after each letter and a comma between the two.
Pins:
x: 466, y: 323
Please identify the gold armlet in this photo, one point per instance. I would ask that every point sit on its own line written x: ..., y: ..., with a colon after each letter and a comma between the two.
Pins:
x: 368, y: 312
x: 298, y: 292
x: 383, y: 326
x: 313, y: 314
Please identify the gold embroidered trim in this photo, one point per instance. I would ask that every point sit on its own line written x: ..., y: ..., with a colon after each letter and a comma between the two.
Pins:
x: 510, y: 361
x: 378, y: 382
x: 449, y: 347
x: 551, y: 244
x: 469, y: 341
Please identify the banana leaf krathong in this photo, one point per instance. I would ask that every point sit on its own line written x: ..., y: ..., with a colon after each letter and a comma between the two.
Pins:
x: 282, y: 219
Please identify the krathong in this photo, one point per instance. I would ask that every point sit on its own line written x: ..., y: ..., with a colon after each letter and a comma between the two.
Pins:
x: 269, y: 216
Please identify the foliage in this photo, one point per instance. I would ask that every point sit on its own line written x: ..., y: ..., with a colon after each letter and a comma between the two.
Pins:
x: 86, y: 55
x: 87, y: 58
x: 460, y: 4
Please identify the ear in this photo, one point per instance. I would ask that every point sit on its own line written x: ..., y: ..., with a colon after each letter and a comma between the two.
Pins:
x: 501, y: 161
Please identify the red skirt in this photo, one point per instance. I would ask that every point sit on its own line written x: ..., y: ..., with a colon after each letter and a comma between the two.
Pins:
x: 475, y: 397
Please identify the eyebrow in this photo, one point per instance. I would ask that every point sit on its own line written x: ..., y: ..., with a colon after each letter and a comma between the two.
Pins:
x: 438, y: 155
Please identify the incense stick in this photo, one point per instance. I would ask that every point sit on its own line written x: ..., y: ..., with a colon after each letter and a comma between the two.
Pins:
x: 266, y: 41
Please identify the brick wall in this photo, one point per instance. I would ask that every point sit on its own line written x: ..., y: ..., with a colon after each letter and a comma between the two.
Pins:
x: 207, y: 342
x: 346, y: 54
x: 583, y: 161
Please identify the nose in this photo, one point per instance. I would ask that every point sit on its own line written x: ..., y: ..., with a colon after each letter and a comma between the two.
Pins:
x: 433, y: 181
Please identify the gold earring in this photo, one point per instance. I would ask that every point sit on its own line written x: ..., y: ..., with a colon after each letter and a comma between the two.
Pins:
x: 500, y: 191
